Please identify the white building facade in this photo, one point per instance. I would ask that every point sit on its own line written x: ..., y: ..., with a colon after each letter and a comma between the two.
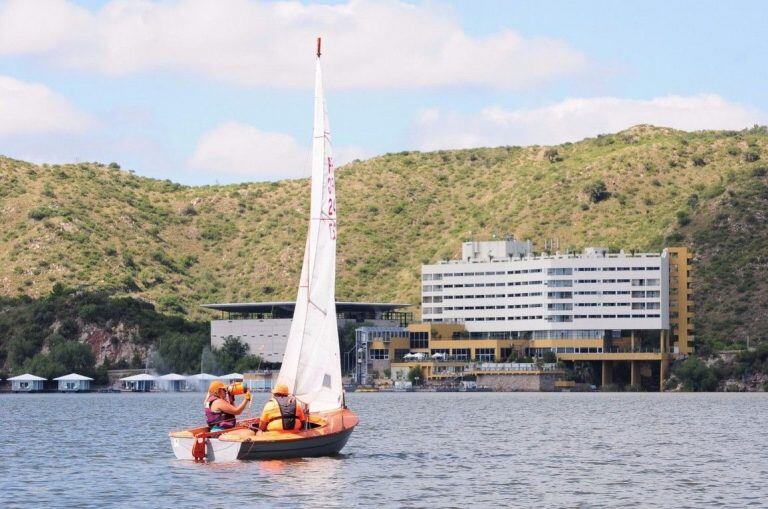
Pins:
x: 501, y: 289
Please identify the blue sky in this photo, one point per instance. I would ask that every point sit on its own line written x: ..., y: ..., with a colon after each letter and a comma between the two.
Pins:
x: 221, y: 91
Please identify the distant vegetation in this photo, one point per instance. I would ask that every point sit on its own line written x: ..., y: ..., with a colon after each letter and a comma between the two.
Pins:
x: 144, y: 242
x: 89, y: 332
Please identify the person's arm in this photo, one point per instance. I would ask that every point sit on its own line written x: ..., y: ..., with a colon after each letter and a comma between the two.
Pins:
x: 300, y: 410
x: 228, y: 408
x: 265, y: 415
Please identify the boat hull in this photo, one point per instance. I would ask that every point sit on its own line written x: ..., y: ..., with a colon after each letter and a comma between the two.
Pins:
x: 325, y: 440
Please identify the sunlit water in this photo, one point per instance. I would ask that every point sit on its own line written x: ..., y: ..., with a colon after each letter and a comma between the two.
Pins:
x: 410, y: 450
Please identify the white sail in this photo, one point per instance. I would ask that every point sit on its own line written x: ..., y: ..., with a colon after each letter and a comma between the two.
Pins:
x: 311, y: 365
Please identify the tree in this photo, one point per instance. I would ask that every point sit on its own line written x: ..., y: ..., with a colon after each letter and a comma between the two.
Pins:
x: 552, y: 155
x: 180, y: 352
x: 74, y: 357
x: 696, y: 376
x: 596, y: 191
x: 42, y: 365
x: 250, y: 363
x: 230, y: 353
x: 550, y: 357
x: 415, y: 376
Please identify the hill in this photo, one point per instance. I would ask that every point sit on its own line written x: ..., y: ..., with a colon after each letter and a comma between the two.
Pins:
x: 175, y: 246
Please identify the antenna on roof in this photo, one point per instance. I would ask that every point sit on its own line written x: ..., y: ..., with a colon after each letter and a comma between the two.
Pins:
x: 318, y: 47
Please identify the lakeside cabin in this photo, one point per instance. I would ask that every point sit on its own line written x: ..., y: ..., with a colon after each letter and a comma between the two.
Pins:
x: 200, y: 381
x: 138, y: 383
x: 74, y: 383
x: 172, y: 382
x: 27, y: 383
x: 231, y: 378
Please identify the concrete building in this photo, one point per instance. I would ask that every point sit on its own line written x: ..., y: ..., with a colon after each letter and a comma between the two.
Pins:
x: 264, y: 326
x: 74, y: 383
x: 613, y: 314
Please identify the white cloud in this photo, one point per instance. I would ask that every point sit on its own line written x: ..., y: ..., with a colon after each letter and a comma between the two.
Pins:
x: 31, y: 108
x: 235, y: 149
x: 237, y: 152
x: 369, y: 43
x: 575, y: 119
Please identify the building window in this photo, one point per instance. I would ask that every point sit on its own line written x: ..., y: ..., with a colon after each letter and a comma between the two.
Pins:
x: 484, y: 354
x: 559, y: 283
x: 418, y: 339
x: 460, y: 353
x: 379, y: 354
x: 559, y: 272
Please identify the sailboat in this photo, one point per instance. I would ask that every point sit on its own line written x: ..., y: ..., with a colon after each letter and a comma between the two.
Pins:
x: 311, y: 366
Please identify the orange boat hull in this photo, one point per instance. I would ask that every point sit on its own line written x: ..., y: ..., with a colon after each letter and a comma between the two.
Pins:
x: 328, y: 436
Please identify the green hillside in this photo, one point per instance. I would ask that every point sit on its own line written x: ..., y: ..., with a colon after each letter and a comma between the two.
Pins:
x: 175, y: 246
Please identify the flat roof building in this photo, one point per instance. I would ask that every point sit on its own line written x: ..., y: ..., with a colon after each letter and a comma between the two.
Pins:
x: 264, y: 326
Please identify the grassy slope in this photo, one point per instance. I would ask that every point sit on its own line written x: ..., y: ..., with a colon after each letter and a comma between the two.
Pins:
x: 180, y: 246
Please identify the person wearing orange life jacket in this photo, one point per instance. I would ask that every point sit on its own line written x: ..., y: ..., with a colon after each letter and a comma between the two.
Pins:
x: 219, y: 407
x: 283, y: 412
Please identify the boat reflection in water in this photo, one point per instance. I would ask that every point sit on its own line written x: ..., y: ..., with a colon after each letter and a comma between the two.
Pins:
x: 311, y: 366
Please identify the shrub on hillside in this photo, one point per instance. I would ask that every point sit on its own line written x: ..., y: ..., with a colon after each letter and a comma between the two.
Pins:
x: 596, y: 191
x: 696, y: 376
x: 40, y: 213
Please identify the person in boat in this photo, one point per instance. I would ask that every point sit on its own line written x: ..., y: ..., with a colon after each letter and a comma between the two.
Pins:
x: 283, y: 412
x: 220, y: 411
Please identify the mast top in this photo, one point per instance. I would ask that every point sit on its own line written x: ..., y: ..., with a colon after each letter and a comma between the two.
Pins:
x: 318, y: 47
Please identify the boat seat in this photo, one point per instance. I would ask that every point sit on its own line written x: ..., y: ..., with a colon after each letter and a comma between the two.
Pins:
x: 238, y: 435
x: 182, y: 434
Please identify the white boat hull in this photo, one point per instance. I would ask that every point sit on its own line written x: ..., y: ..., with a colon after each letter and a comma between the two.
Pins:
x: 215, y: 450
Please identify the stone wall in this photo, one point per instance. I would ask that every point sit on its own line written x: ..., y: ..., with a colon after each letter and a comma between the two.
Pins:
x: 528, y: 382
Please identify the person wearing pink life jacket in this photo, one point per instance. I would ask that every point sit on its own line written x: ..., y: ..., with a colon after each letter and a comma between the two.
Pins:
x: 219, y: 407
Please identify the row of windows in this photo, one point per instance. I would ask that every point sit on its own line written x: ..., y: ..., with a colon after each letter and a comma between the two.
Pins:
x: 612, y: 269
x: 556, y: 306
x: 559, y: 271
x: 553, y: 318
x: 503, y: 318
x: 472, y: 308
x: 550, y: 283
x: 487, y: 296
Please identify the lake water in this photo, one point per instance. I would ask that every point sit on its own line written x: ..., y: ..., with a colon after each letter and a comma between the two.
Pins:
x: 410, y: 450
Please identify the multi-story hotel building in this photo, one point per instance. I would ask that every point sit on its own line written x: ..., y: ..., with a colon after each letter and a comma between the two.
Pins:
x: 614, y: 311
x: 501, y: 287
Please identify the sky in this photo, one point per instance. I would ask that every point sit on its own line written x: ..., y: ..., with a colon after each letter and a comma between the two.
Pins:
x: 220, y: 91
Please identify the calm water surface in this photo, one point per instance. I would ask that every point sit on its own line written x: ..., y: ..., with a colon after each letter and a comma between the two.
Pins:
x: 411, y: 450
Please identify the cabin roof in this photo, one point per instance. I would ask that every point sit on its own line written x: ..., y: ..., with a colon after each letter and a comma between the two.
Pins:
x: 172, y: 377
x: 26, y: 377
x: 142, y: 377
x: 73, y: 376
